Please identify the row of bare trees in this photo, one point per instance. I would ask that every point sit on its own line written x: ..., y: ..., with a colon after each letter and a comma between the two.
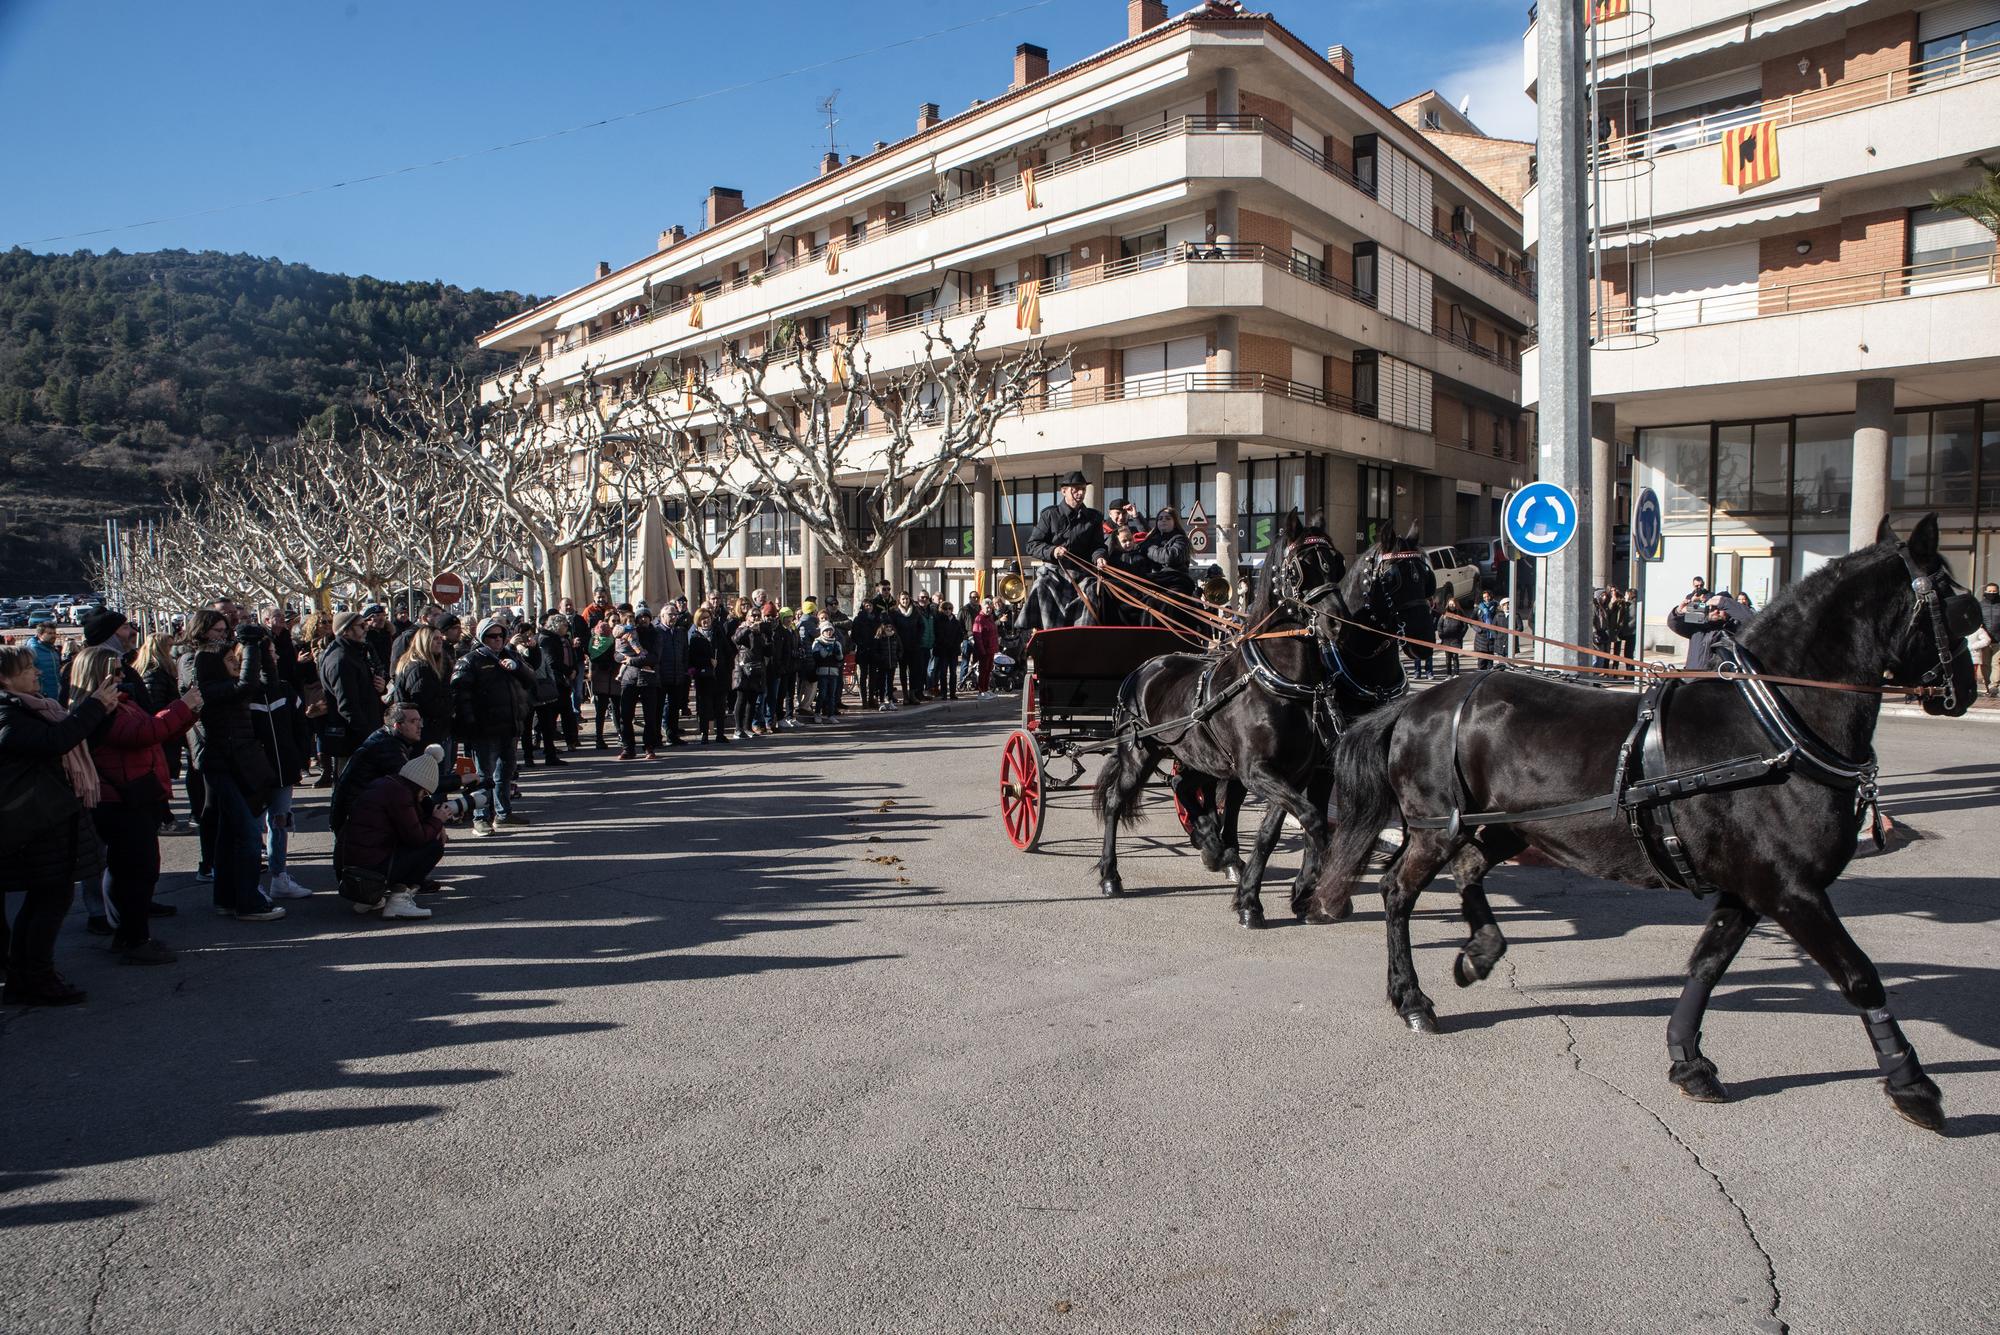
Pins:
x: 528, y: 477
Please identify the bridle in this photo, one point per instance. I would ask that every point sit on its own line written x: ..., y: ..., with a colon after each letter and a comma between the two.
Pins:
x: 1382, y: 605
x: 1952, y: 616
x: 1288, y: 584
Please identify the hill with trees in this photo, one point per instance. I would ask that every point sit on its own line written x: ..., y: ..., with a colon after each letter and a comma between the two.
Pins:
x: 122, y: 376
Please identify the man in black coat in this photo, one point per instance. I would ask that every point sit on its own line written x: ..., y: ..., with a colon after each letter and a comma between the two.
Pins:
x: 494, y: 689
x: 384, y: 751
x: 1066, y: 534
x: 353, y: 690
x: 670, y: 652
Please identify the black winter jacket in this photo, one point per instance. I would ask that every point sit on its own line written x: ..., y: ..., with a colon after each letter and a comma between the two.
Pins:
x: 421, y: 685
x: 347, y: 672
x: 382, y: 753
x: 30, y: 742
x: 226, y: 741
x: 493, y: 693
x: 1081, y: 531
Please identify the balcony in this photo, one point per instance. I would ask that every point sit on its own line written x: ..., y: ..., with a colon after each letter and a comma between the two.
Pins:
x: 1670, y: 30
x: 1933, y: 320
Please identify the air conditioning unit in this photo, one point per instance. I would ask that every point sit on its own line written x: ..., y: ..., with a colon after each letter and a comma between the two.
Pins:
x: 1463, y: 222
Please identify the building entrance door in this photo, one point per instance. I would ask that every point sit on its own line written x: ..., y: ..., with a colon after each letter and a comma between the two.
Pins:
x: 1757, y: 575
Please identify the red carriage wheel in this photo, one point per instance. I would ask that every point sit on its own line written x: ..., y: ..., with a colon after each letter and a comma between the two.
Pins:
x: 1021, y: 790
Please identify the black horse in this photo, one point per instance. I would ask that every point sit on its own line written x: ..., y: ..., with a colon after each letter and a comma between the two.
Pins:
x: 1742, y: 787
x: 1260, y: 716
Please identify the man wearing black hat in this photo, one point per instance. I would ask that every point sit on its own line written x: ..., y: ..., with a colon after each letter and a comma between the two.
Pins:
x: 111, y: 629
x: 1069, y: 528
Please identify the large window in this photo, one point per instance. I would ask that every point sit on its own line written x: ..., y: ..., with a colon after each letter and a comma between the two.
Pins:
x: 1950, y: 54
x: 1752, y: 466
x: 1681, y: 455
x: 1823, y: 473
x: 772, y: 533
x: 1931, y: 459
x: 1376, y: 512
x: 1989, y: 461
x: 946, y: 532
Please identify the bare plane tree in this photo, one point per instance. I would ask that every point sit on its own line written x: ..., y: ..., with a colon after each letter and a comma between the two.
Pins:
x: 893, y: 440
x: 704, y: 501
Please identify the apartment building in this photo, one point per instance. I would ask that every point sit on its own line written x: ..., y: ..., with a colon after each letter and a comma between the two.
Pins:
x: 1275, y: 292
x: 1794, y: 340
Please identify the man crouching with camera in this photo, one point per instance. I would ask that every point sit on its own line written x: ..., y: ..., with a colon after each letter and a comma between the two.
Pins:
x: 392, y: 840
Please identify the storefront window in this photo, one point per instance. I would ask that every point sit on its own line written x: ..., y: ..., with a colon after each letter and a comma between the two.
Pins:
x: 1680, y: 454
x: 1910, y: 462
x: 1750, y: 463
x: 1823, y: 477
x: 1989, y: 463
x: 1954, y: 442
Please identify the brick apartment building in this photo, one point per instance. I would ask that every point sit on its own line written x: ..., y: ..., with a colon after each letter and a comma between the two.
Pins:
x: 1278, y: 293
x: 1791, y: 351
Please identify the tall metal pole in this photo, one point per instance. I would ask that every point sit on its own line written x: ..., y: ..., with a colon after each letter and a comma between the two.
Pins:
x: 1562, y: 270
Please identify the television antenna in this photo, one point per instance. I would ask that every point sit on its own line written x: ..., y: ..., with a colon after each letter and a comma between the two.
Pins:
x: 826, y: 108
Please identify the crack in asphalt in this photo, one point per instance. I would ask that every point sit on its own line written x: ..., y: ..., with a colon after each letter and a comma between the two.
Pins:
x: 104, y: 1274
x: 1742, y: 1215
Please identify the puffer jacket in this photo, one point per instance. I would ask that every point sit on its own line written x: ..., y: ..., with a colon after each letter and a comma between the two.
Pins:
x: 1989, y: 615
x: 129, y: 749
x: 225, y: 740
x: 390, y: 814
x: 492, y: 692
x: 383, y: 753
x: 753, y: 655
x: 48, y: 665
x: 422, y: 685
x: 45, y: 859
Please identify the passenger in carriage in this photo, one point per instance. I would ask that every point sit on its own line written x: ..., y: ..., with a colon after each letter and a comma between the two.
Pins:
x: 1167, y: 551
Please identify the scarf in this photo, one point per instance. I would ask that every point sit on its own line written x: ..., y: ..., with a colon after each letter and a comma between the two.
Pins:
x: 76, y: 762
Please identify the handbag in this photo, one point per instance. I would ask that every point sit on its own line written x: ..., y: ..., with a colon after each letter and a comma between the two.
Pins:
x: 1979, y: 639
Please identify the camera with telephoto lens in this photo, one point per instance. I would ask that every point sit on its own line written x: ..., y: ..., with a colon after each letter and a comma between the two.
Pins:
x: 476, y: 795
x: 251, y: 633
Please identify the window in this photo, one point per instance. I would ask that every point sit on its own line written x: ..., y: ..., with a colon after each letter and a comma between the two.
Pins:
x: 1698, y: 113
x: 1364, y: 162
x: 1989, y: 463
x: 1751, y: 462
x: 1055, y: 271
x: 1681, y: 456
x: 1910, y: 462
x: 1949, y: 55
x: 1364, y: 270
x: 1823, y: 472
x: 1432, y: 121
x: 1377, y: 508
x: 1367, y: 381
x: 1947, y: 250
x: 857, y: 321
x: 946, y: 532
x: 772, y: 533
x: 1148, y: 249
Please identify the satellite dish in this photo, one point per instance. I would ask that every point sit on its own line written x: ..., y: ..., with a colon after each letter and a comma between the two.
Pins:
x: 1465, y: 106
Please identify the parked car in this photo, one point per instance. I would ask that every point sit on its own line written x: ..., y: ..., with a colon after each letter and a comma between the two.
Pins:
x: 41, y: 616
x: 1456, y: 577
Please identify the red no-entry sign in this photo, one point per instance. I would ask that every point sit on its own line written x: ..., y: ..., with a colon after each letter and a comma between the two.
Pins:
x: 447, y: 589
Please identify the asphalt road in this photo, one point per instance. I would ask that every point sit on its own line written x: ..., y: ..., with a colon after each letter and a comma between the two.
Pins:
x: 785, y: 1037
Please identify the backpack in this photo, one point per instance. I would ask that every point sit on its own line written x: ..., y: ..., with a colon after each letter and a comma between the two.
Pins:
x: 547, y: 689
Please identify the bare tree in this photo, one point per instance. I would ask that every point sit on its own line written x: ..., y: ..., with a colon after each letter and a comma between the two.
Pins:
x: 708, y: 492
x: 857, y: 455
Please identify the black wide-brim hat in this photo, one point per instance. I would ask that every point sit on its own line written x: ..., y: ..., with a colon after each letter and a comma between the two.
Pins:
x: 1074, y: 479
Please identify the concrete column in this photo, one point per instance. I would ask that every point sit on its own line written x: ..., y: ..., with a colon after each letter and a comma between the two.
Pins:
x: 1093, y: 472
x: 1874, y: 420
x: 1603, y: 487
x: 1226, y: 217
x: 1228, y: 543
x: 1438, y: 515
x: 1343, y: 503
x: 982, y: 527
x: 1227, y: 98
x: 1228, y: 337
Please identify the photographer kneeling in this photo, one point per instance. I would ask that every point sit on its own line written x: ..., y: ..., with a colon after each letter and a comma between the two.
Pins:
x: 394, y: 834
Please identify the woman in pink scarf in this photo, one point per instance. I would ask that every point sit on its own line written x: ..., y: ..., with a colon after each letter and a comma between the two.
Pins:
x: 47, y: 786
x: 985, y: 644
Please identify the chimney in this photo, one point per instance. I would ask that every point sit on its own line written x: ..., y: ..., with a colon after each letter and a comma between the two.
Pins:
x: 1031, y: 64
x: 829, y: 163
x: 723, y: 204
x: 604, y: 268
x: 880, y: 144
x: 927, y: 116
x: 1143, y: 14
x: 1341, y: 59
x: 853, y: 158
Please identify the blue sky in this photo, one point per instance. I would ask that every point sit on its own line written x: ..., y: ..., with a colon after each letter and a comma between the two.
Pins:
x: 122, y: 112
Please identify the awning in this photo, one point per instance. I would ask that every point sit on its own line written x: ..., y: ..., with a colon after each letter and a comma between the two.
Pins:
x: 625, y: 294
x: 1762, y: 211
x: 1762, y: 25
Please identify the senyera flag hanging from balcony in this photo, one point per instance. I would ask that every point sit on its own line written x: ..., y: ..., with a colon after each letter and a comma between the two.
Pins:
x: 1603, y: 11
x: 1028, y: 306
x: 687, y: 384
x: 694, y: 311
x: 833, y: 256
x: 1028, y: 187
x: 1750, y: 155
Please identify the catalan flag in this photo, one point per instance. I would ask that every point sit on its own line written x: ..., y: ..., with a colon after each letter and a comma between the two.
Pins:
x: 1750, y: 155
x: 833, y: 256
x: 1028, y: 187
x: 687, y: 383
x: 694, y: 311
x: 1603, y: 11
x: 1028, y: 306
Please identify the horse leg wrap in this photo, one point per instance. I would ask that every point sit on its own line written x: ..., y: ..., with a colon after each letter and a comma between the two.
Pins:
x: 1686, y: 1051
x: 1892, y: 1050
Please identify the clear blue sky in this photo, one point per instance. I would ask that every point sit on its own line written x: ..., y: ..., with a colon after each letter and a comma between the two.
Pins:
x: 120, y: 112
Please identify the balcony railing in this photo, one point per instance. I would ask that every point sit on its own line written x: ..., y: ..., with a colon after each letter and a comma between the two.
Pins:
x: 1522, y: 282
x: 646, y: 311
x: 1960, y: 67
x: 1909, y: 280
x: 1161, y: 385
x: 1464, y: 344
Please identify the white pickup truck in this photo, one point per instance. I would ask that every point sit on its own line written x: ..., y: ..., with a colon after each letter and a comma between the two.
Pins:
x: 1456, y: 577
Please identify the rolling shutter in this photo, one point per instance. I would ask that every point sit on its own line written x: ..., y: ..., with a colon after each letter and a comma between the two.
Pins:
x: 1702, y: 286
x: 1738, y: 83
x: 1956, y: 17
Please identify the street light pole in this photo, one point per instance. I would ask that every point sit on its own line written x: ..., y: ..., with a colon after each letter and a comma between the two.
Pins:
x: 1563, y: 307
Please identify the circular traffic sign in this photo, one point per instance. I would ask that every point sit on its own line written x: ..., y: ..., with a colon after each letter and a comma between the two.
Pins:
x: 1198, y: 539
x: 447, y: 589
x: 1540, y: 519
x: 1646, y: 525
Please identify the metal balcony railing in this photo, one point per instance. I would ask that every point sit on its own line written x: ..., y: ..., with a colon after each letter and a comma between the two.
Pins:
x: 1464, y: 344
x: 1522, y: 281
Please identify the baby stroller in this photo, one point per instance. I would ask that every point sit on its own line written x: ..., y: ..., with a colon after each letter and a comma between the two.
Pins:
x: 1008, y: 664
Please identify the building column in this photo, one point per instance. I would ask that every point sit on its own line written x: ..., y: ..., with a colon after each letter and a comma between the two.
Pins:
x: 1440, y: 511
x: 1228, y: 100
x: 1343, y: 503
x: 1227, y: 541
x: 1092, y: 467
x: 1874, y: 420
x: 982, y: 526
x: 1603, y: 487
x: 1228, y: 338
x: 1227, y: 220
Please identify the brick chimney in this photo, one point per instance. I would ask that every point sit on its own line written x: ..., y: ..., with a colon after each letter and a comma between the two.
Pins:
x: 723, y: 204
x: 1341, y: 59
x: 604, y: 268
x: 880, y: 144
x: 1143, y: 14
x: 829, y: 163
x: 927, y: 116
x: 1031, y: 64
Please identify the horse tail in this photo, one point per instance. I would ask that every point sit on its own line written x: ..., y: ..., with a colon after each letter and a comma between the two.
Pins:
x: 1108, y: 798
x: 1364, y: 801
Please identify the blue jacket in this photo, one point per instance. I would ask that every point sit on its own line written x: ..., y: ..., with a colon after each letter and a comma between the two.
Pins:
x: 48, y: 666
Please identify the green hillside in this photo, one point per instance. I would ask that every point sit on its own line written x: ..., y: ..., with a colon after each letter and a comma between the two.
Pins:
x: 121, y: 375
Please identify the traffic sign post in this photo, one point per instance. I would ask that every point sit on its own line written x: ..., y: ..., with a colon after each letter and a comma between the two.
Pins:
x: 1540, y: 519
x: 447, y: 589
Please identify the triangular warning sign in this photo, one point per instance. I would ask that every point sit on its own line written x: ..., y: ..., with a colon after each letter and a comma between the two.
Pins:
x: 1196, y: 515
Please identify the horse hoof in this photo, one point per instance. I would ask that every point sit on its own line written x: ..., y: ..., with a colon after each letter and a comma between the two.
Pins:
x: 1250, y: 917
x: 1318, y: 917
x: 1234, y: 871
x: 1463, y: 972
x: 1422, y: 1020
x: 1111, y: 888
x: 1697, y: 1080
x: 1920, y: 1104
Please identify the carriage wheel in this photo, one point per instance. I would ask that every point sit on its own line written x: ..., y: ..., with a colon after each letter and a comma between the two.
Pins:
x: 1021, y: 790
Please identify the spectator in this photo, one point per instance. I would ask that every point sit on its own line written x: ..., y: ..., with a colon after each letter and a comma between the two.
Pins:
x: 986, y: 645
x: 704, y: 674
x: 1625, y: 623
x: 385, y: 751
x: 492, y: 690
x: 947, y: 632
x: 133, y: 787
x: 1703, y: 622
x: 235, y: 768
x: 913, y: 628
x: 380, y: 637
x: 1989, y: 621
x: 638, y: 685
x: 421, y: 683
x: 540, y: 650
x: 603, y: 674
x: 1486, y: 640
x: 753, y: 653
x: 1451, y: 634
x: 48, y: 836
x: 782, y: 671
x: 670, y: 653
x: 48, y: 659
x: 353, y: 689
x: 207, y: 627
x: 826, y: 657
x: 155, y: 665
x: 282, y: 732
x: 396, y: 833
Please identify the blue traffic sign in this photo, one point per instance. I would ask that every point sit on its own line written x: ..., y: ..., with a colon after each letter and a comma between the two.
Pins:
x: 1647, y: 543
x: 1540, y: 519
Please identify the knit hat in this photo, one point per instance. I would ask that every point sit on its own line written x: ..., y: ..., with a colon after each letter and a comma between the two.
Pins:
x: 422, y: 771
x: 624, y: 630
x: 555, y: 621
x: 101, y: 626
x: 784, y: 611
x: 488, y: 626
x: 342, y: 620
x: 372, y: 609
x: 770, y: 609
